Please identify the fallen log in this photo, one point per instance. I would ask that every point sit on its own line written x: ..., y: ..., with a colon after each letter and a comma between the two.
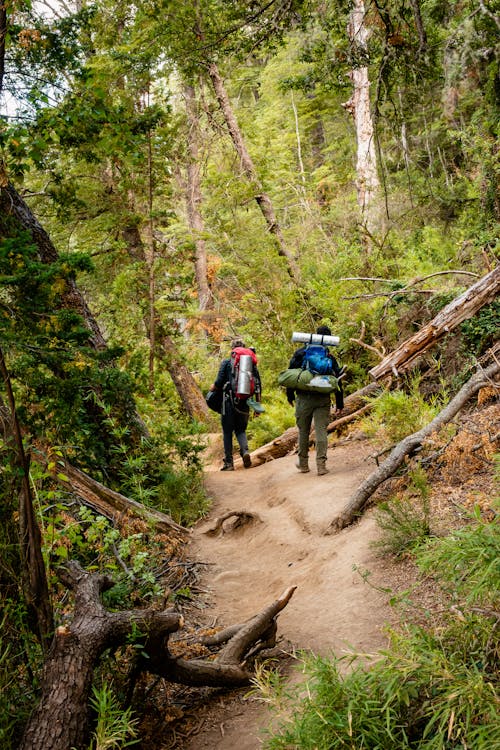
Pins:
x: 358, y: 500
x: 60, y: 721
x: 463, y: 307
x: 104, y: 500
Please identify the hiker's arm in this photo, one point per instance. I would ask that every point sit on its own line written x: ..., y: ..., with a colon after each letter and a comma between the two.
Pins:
x: 296, y: 362
x: 222, y: 376
x: 258, y: 384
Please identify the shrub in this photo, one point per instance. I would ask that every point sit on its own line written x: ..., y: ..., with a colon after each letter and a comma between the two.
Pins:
x: 432, y: 689
x: 400, y: 414
x: 404, y: 521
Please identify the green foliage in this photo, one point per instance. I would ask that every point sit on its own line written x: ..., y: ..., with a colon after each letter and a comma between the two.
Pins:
x: 20, y: 663
x: 481, y: 331
x: 405, y: 521
x: 115, y: 727
x: 398, y: 414
x: 468, y: 560
x: 277, y: 418
x: 433, y: 689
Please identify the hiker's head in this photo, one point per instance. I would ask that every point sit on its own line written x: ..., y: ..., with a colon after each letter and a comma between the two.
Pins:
x: 323, y: 331
x: 237, y: 342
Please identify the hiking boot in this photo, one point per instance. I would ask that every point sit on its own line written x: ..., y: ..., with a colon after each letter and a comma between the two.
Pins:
x: 227, y: 467
x: 247, y: 461
x: 322, y: 470
x: 301, y: 466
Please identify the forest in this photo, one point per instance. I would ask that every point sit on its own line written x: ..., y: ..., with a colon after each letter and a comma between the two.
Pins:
x: 175, y: 175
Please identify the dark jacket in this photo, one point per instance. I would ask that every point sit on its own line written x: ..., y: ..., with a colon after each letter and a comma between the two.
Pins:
x: 297, y: 361
x: 224, y: 378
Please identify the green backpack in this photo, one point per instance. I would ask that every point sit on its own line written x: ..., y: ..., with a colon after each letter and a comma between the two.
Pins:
x: 305, y: 380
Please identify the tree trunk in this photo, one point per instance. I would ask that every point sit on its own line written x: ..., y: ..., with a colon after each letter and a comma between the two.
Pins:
x: 261, y: 197
x: 60, y: 721
x: 358, y: 500
x: 191, y: 396
x: 35, y: 585
x: 463, y: 307
x: 205, y: 299
x: 105, y: 500
x: 359, y: 107
x: 11, y: 204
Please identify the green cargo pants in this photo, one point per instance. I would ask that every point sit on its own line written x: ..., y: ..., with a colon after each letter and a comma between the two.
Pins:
x: 309, y: 406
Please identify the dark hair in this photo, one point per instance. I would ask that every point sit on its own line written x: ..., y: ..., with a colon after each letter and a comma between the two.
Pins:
x: 323, y: 331
x: 237, y: 342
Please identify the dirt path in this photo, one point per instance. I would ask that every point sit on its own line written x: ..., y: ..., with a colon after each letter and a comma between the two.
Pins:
x: 332, y: 610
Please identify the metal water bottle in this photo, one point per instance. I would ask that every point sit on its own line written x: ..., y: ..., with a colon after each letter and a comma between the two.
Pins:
x: 243, y: 385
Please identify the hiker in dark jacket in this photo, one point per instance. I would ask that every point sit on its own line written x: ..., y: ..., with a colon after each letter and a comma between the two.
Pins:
x: 235, y: 412
x: 310, y: 406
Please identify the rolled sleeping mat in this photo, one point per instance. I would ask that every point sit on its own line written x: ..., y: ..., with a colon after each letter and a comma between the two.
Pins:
x: 315, y: 338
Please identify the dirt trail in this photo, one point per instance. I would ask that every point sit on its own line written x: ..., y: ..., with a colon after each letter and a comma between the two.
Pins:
x: 332, y: 610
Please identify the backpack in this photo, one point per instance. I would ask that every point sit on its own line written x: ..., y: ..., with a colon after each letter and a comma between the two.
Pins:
x: 304, y: 380
x: 242, y: 387
x: 316, y: 360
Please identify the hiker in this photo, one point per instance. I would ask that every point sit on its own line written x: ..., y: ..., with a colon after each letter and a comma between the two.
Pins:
x: 235, y: 407
x: 311, y: 405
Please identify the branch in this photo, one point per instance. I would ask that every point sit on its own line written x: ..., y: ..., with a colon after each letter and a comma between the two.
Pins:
x: 357, y: 502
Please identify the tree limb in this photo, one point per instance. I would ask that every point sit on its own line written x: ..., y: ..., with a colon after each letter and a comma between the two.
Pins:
x: 461, y: 308
x: 358, y: 500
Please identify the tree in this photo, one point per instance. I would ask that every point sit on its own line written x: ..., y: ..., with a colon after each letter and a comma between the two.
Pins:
x: 359, y: 106
x: 60, y: 720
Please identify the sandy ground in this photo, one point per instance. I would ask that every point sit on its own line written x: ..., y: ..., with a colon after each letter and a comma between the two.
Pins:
x: 332, y: 610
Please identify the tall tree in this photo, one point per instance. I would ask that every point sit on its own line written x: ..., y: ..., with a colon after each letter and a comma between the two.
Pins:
x: 359, y: 106
x: 194, y: 199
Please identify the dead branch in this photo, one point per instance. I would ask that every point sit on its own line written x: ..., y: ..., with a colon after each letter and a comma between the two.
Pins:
x: 253, y: 629
x: 361, y: 342
x: 463, y: 307
x: 105, y: 500
x: 358, y: 500
x: 341, y: 421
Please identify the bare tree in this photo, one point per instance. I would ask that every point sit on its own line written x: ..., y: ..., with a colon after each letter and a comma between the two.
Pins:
x: 60, y: 721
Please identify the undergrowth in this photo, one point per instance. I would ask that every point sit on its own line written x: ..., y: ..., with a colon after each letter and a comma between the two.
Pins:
x: 433, y: 688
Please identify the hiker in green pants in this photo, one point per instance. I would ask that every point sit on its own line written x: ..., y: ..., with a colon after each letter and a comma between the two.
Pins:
x: 311, y: 406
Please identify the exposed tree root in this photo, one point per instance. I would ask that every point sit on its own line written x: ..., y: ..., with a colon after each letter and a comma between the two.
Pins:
x: 60, y: 719
x: 242, y: 518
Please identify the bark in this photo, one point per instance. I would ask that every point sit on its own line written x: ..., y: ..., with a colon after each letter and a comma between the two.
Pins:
x: 191, y: 396
x: 422, y: 36
x: 11, y: 204
x: 358, y: 500
x: 36, y: 590
x: 205, y: 299
x: 108, y: 502
x: 463, y: 307
x: 60, y: 721
x: 263, y: 200
x: 367, y: 181
x: 3, y: 35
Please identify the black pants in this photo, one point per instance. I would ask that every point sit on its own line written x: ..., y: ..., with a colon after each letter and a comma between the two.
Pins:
x: 234, y: 419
